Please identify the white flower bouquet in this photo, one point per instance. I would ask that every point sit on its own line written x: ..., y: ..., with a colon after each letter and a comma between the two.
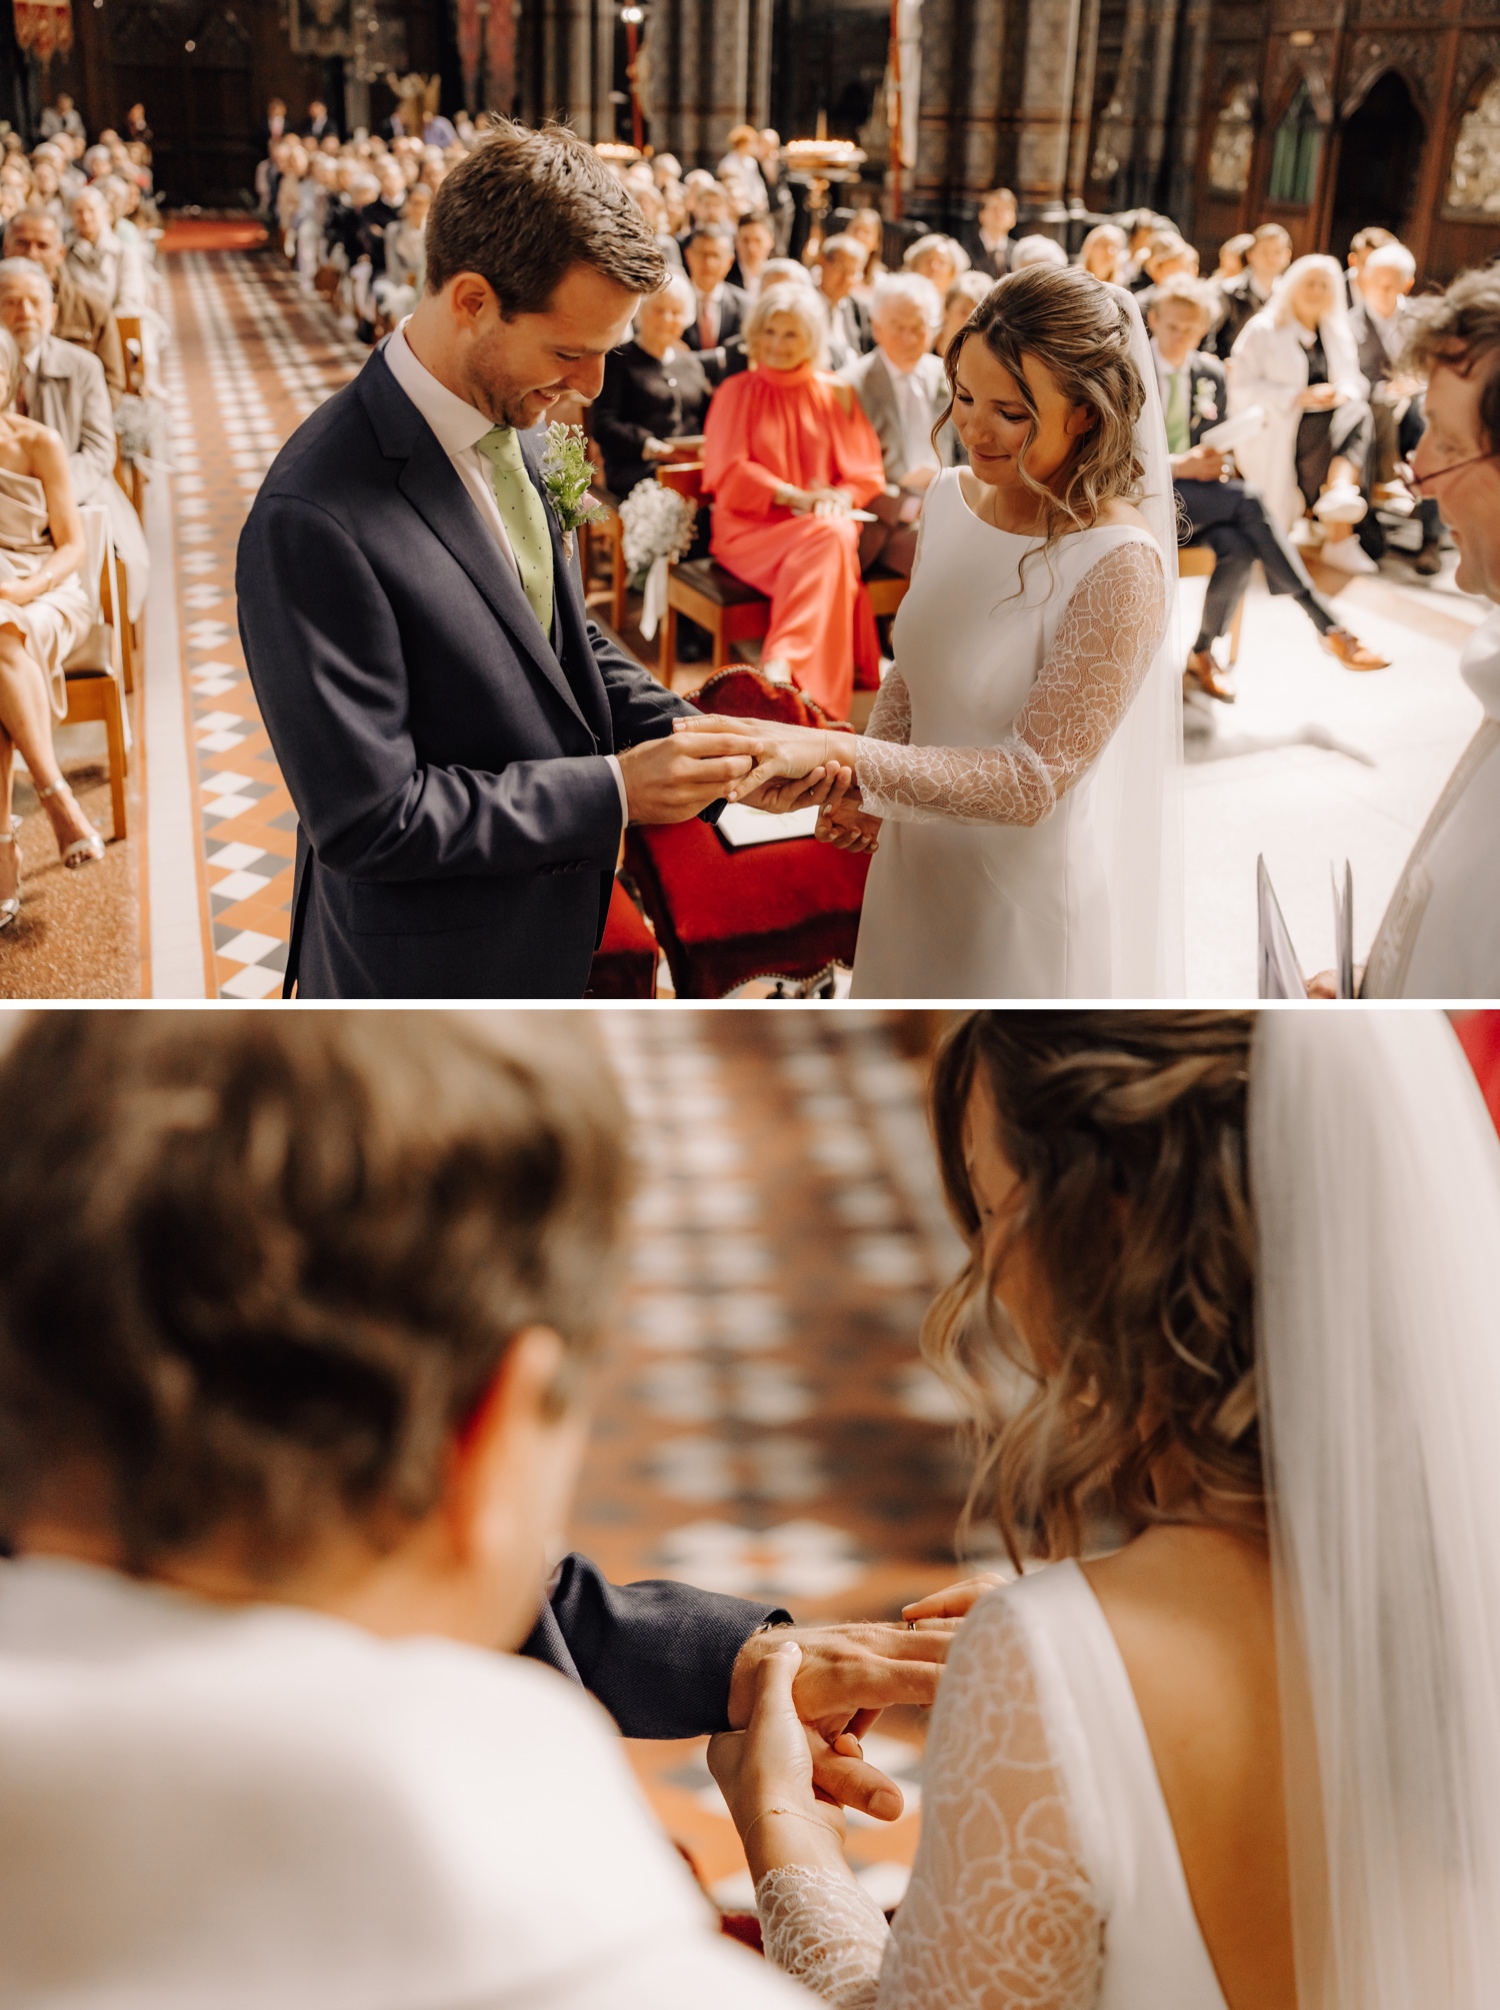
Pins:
x: 138, y: 425
x: 656, y: 526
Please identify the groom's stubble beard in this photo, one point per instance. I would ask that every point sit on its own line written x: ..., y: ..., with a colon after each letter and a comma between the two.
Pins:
x: 500, y: 392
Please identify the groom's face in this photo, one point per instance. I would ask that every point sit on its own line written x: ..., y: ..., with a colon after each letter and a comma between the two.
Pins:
x: 517, y: 370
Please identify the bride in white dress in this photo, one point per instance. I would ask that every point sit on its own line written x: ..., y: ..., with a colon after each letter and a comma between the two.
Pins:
x: 1020, y: 767
x: 1251, y: 1760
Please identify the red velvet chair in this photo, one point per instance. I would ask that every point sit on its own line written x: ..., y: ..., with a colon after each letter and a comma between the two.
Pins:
x: 787, y: 910
x: 624, y: 964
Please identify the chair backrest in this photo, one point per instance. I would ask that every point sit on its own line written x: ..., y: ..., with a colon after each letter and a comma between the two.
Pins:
x: 742, y: 693
x: 684, y: 476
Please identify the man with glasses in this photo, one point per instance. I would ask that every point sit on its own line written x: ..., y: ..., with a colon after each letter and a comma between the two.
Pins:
x: 1440, y: 937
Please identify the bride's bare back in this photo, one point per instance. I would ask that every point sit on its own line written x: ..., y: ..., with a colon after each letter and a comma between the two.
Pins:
x: 1190, y: 1610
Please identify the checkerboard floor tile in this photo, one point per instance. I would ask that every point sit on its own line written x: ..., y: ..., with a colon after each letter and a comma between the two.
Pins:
x: 252, y: 358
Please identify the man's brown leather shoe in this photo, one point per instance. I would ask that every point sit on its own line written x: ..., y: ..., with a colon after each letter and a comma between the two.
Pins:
x: 1203, y: 672
x: 1351, y: 652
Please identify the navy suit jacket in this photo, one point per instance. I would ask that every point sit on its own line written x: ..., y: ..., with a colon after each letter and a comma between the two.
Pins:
x: 658, y: 1655
x: 458, y: 829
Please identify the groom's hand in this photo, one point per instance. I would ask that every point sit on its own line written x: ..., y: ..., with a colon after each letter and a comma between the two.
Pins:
x: 669, y: 780
x: 847, y: 1676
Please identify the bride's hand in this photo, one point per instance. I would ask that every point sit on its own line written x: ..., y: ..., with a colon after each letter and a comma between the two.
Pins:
x: 765, y: 1774
x: 822, y: 788
x: 954, y: 1600
x: 789, y: 751
x: 847, y: 826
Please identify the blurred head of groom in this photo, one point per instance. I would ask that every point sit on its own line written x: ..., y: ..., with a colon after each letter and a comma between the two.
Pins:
x: 536, y: 260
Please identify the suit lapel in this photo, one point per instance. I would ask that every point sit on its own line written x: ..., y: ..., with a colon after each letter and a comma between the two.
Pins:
x: 430, y: 484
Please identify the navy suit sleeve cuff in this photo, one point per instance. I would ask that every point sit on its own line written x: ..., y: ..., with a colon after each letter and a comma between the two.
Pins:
x: 658, y: 1655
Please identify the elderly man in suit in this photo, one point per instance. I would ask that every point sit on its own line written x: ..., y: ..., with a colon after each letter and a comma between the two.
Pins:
x: 81, y: 317
x: 720, y: 310
x: 903, y: 390
x: 1379, y: 321
x: 62, y: 385
x: 990, y: 245
x: 1226, y: 514
x: 462, y: 744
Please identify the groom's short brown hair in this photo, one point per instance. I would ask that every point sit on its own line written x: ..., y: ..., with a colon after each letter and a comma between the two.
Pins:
x: 525, y: 207
x: 261, y: 1268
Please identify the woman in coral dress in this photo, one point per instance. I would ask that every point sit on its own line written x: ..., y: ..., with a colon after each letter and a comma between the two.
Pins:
x: 788, y: 454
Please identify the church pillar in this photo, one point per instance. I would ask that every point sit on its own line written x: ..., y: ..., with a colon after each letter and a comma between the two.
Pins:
x: 1046, y: 112
x: 728, y: 77
x: 1115, y: 149
x: 758, y: 91
x: 977, y: 113
x: 1083, y: 102
x: 1153, y: 140
x: 579, y: 67
x: 941, y: 23
x: 1183, y: 181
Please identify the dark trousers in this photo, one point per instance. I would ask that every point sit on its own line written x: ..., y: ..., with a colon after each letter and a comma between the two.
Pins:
x: 1230, y: 518
x: 1348, y: 430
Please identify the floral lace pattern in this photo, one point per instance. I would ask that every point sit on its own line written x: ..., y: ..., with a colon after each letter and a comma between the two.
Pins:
x: 1000, y: 1912
x: 1109, y: 632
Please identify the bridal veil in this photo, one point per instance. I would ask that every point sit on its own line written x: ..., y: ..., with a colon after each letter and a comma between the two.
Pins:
x: 1138, y: 786
x: 1376, y: 1179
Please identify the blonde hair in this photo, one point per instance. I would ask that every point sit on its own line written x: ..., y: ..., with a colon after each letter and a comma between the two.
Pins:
x: 1127, y: 1132
x: 803, y: 304
x: 1075, y: 327
x: 1280, y: 308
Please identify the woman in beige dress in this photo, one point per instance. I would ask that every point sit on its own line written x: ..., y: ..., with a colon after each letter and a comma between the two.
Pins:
x: 44, y: 614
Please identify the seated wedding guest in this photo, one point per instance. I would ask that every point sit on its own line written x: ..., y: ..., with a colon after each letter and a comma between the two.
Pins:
x: 94, y: 255
x: 1036, y: 250
x: 1223, y: 512
x: 841, y: 264
x: 778, y: 189
x: 1440, y: 935
x: 46, y: 185
x: 903, y: 391
x: 399, y: 287
x: 1380, y: 324
x: 938, y: 258
x: 318, y: 125
x: 788, y: 454
x: 989, y: 247
x: 1103, y: 253
x: 720, y: 310
x: 1232, y: 256
x: 652, y: 207
x: 740, y: 168
x: 45, y: 613
x: 868, y: 227
x: 62, y: 385
x: 1372, y: 238
x: 1266, y: 258
x: 280, y: 1507
x: 708, y: 202
x: 655, y: 390
x: 959, y: 302
x: 1296, y: 359
x: 754, y: 243
x: 62, y: 116
x: 80, y: 317
x: 1167, y: 255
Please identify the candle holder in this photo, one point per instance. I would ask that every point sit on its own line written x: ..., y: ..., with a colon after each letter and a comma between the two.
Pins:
x: 818, y: 165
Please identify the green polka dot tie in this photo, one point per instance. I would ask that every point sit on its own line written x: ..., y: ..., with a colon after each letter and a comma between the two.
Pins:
x: 524, y: 515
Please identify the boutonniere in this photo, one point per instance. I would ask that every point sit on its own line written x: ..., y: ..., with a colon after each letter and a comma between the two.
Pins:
x: 567, y: 476
x: 1205, y: 405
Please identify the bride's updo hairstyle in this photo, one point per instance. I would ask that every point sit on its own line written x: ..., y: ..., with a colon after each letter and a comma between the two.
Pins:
x: 1079, y: 332
x: 1127, y: 1132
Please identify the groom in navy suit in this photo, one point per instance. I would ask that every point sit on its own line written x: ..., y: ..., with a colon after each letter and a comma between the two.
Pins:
x: 462, y: 744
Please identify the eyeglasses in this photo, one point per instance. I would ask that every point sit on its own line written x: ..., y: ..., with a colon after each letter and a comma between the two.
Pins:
x: 1416, y: 481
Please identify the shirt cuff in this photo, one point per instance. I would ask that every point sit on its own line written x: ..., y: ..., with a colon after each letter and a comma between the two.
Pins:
x: 619, y: 774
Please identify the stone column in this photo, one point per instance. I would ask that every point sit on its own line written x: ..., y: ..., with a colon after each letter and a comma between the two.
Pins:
x: 579, y: 67
x: 1153, y: 142
x: 1116, y: 142
x: 1183, y: 182
x: 1083, y: 102
x: 942, y: 21
x: 976, y: 115
x: 758, y: 90
x: 1047, y: 112
x: 728, y: 76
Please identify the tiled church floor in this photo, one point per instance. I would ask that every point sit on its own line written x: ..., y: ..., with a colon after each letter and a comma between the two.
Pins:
x: 765, y: 1424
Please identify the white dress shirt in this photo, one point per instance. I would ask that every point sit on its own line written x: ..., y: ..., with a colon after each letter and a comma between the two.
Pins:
x: 459, y: 428
x: 1164, y: 375
x: 265, y: 1808
x: 710, y: 306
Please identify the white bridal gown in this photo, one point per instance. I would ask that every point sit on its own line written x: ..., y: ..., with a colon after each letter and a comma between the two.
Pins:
x: 983, y: 756
x: 1047, y: 1872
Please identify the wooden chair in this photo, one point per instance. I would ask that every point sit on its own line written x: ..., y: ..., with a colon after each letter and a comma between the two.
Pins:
x: 605, y: 526
x: 1197, y: 561
x: 132, y: 343
x: 92, y: 676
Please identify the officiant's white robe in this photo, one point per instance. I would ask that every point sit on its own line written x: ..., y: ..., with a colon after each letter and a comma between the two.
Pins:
x: 1440, y: 937
x: 264, y: 1808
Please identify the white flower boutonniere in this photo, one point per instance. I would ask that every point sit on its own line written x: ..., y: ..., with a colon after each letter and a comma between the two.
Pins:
x: 1205, y: 405
x: 567, y: 475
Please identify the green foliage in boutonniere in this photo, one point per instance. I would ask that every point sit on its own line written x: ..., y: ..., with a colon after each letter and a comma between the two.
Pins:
x: 567, y: 476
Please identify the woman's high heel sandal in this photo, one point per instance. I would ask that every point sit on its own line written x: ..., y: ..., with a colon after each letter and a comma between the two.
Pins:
x: 84, y: 850
x: 10, y: 905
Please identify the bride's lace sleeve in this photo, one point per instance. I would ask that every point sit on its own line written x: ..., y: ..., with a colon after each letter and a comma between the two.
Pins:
x: 890, y: 715
x: 1000, y: 1912
x: 1104, y: 644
